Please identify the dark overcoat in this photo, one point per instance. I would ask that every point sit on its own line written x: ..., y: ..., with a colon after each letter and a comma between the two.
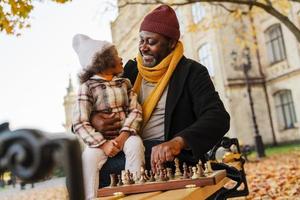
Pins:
x: 194, y: 109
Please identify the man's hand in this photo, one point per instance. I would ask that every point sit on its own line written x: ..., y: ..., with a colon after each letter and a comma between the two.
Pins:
x: 166, y: 152
x: 108, y: 124
x: 110, y: 148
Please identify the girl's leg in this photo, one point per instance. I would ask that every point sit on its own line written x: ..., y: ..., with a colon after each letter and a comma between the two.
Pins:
x: 134, y: 151
x: 92, y: 161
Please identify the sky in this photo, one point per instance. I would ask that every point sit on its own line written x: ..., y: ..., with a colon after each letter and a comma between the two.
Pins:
x: 35, y: 67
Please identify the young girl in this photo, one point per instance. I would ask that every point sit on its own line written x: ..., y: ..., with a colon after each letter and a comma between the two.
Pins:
x: 101, y: 90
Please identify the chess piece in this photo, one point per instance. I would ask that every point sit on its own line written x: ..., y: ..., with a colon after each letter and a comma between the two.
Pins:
x: 177, y: 168
x: 162, y: 175
x: 199, y: 170
x: 152, y: 179
x: 156, y: 175
x: 123, y: 176
x: 190, y: 174
x: 207, y: 168
x: 113, y: 180
x: 136, y: 178
x: 142, y: 178
x: 194, y: 174
x: 120, y: 183
x: 131, y: 179
x: 147, y: 177
x: 166, y: 178
x: 185, y: 171
x: 170, y: 174
x: 126, y: 178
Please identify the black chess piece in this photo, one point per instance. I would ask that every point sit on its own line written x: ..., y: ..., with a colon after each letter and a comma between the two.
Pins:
x: 190, y: 174
x: 166, y: 178
x: 170, y: 175
x: 185, y: 171
x: 131, y: 179
x: 147, y: 176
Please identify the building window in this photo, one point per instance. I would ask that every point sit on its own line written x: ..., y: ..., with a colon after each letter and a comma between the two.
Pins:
x: 285, y: 109
x: 198, y: 12
x: 205, y: 58
x: 275, y: 44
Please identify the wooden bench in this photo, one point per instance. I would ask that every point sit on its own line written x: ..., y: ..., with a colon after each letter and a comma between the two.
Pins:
x: 40, y: 153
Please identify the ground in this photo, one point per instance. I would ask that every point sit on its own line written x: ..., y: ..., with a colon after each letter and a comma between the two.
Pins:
x: 275, y: 177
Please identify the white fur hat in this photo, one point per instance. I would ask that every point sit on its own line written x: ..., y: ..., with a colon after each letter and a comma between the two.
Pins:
x: 86, y: 48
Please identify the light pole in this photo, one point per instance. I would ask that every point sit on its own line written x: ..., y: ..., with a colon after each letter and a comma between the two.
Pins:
x: 246, y: 65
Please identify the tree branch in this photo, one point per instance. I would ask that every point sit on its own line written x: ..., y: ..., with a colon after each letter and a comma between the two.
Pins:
x: 223, y: 6
x: 227, y: 9
x: 266, y: 7
x: 297, y: 1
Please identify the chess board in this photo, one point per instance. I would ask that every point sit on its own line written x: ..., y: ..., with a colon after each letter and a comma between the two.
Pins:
x: 211, y: 178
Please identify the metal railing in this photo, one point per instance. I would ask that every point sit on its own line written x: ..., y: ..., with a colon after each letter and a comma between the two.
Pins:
x: 31, y: 155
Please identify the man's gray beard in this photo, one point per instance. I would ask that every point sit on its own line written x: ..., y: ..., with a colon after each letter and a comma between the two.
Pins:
x: 152, y: 64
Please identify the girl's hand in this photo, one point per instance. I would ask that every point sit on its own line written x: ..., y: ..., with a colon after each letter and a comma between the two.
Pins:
x: 121, y: 139
x: 110, y: 148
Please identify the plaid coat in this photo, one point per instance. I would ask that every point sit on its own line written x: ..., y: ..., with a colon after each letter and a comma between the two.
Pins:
x: 98, y: 95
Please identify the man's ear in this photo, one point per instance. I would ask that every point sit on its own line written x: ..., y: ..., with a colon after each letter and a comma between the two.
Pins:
x: 172, y: 44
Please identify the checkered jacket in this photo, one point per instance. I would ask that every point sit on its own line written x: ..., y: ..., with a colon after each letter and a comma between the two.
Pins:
x: 98, y: 95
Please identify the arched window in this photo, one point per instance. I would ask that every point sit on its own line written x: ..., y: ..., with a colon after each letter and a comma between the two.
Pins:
x: 205, y: 58
x: 285, y: 109
x: 198, y: 12
x: 275, y: 44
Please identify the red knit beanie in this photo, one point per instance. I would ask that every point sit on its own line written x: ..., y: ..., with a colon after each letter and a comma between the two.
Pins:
x: 162, y: 20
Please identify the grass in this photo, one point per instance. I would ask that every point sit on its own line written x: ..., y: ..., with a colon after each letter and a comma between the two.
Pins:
x: 282, y: 149
x: 279, y: 149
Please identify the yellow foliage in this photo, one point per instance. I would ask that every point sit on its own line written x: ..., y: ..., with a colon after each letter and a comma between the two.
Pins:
x: 170, y: 1
x: 283, y: 6
x: 16, y: 15
x: 61, y: 1
x: 192, y: 28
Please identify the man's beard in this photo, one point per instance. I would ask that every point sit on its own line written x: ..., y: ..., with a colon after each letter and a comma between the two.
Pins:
x: 149, y: 61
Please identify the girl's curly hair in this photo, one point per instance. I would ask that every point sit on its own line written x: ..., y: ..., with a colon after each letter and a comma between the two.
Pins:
x: 100, y: 63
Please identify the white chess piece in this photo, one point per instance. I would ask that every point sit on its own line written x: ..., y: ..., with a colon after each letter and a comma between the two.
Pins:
x: 195, y: 174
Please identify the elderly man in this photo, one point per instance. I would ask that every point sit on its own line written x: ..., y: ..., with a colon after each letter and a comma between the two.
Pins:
x: 183, y: 114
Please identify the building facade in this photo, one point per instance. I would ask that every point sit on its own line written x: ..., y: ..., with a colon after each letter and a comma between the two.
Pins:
x: 273, y: 66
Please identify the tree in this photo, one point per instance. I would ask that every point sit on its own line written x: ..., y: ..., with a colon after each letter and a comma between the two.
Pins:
x: 15, y: 15
x: 277, y: 8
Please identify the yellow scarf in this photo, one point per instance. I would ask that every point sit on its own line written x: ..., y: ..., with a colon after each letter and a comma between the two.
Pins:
x: 159, y: 74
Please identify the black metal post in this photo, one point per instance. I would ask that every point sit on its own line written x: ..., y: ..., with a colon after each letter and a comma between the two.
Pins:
x: 257, y: 138
x: 246, y: 66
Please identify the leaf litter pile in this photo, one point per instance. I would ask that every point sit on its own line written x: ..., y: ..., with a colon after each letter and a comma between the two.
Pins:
x: 274, y: 177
